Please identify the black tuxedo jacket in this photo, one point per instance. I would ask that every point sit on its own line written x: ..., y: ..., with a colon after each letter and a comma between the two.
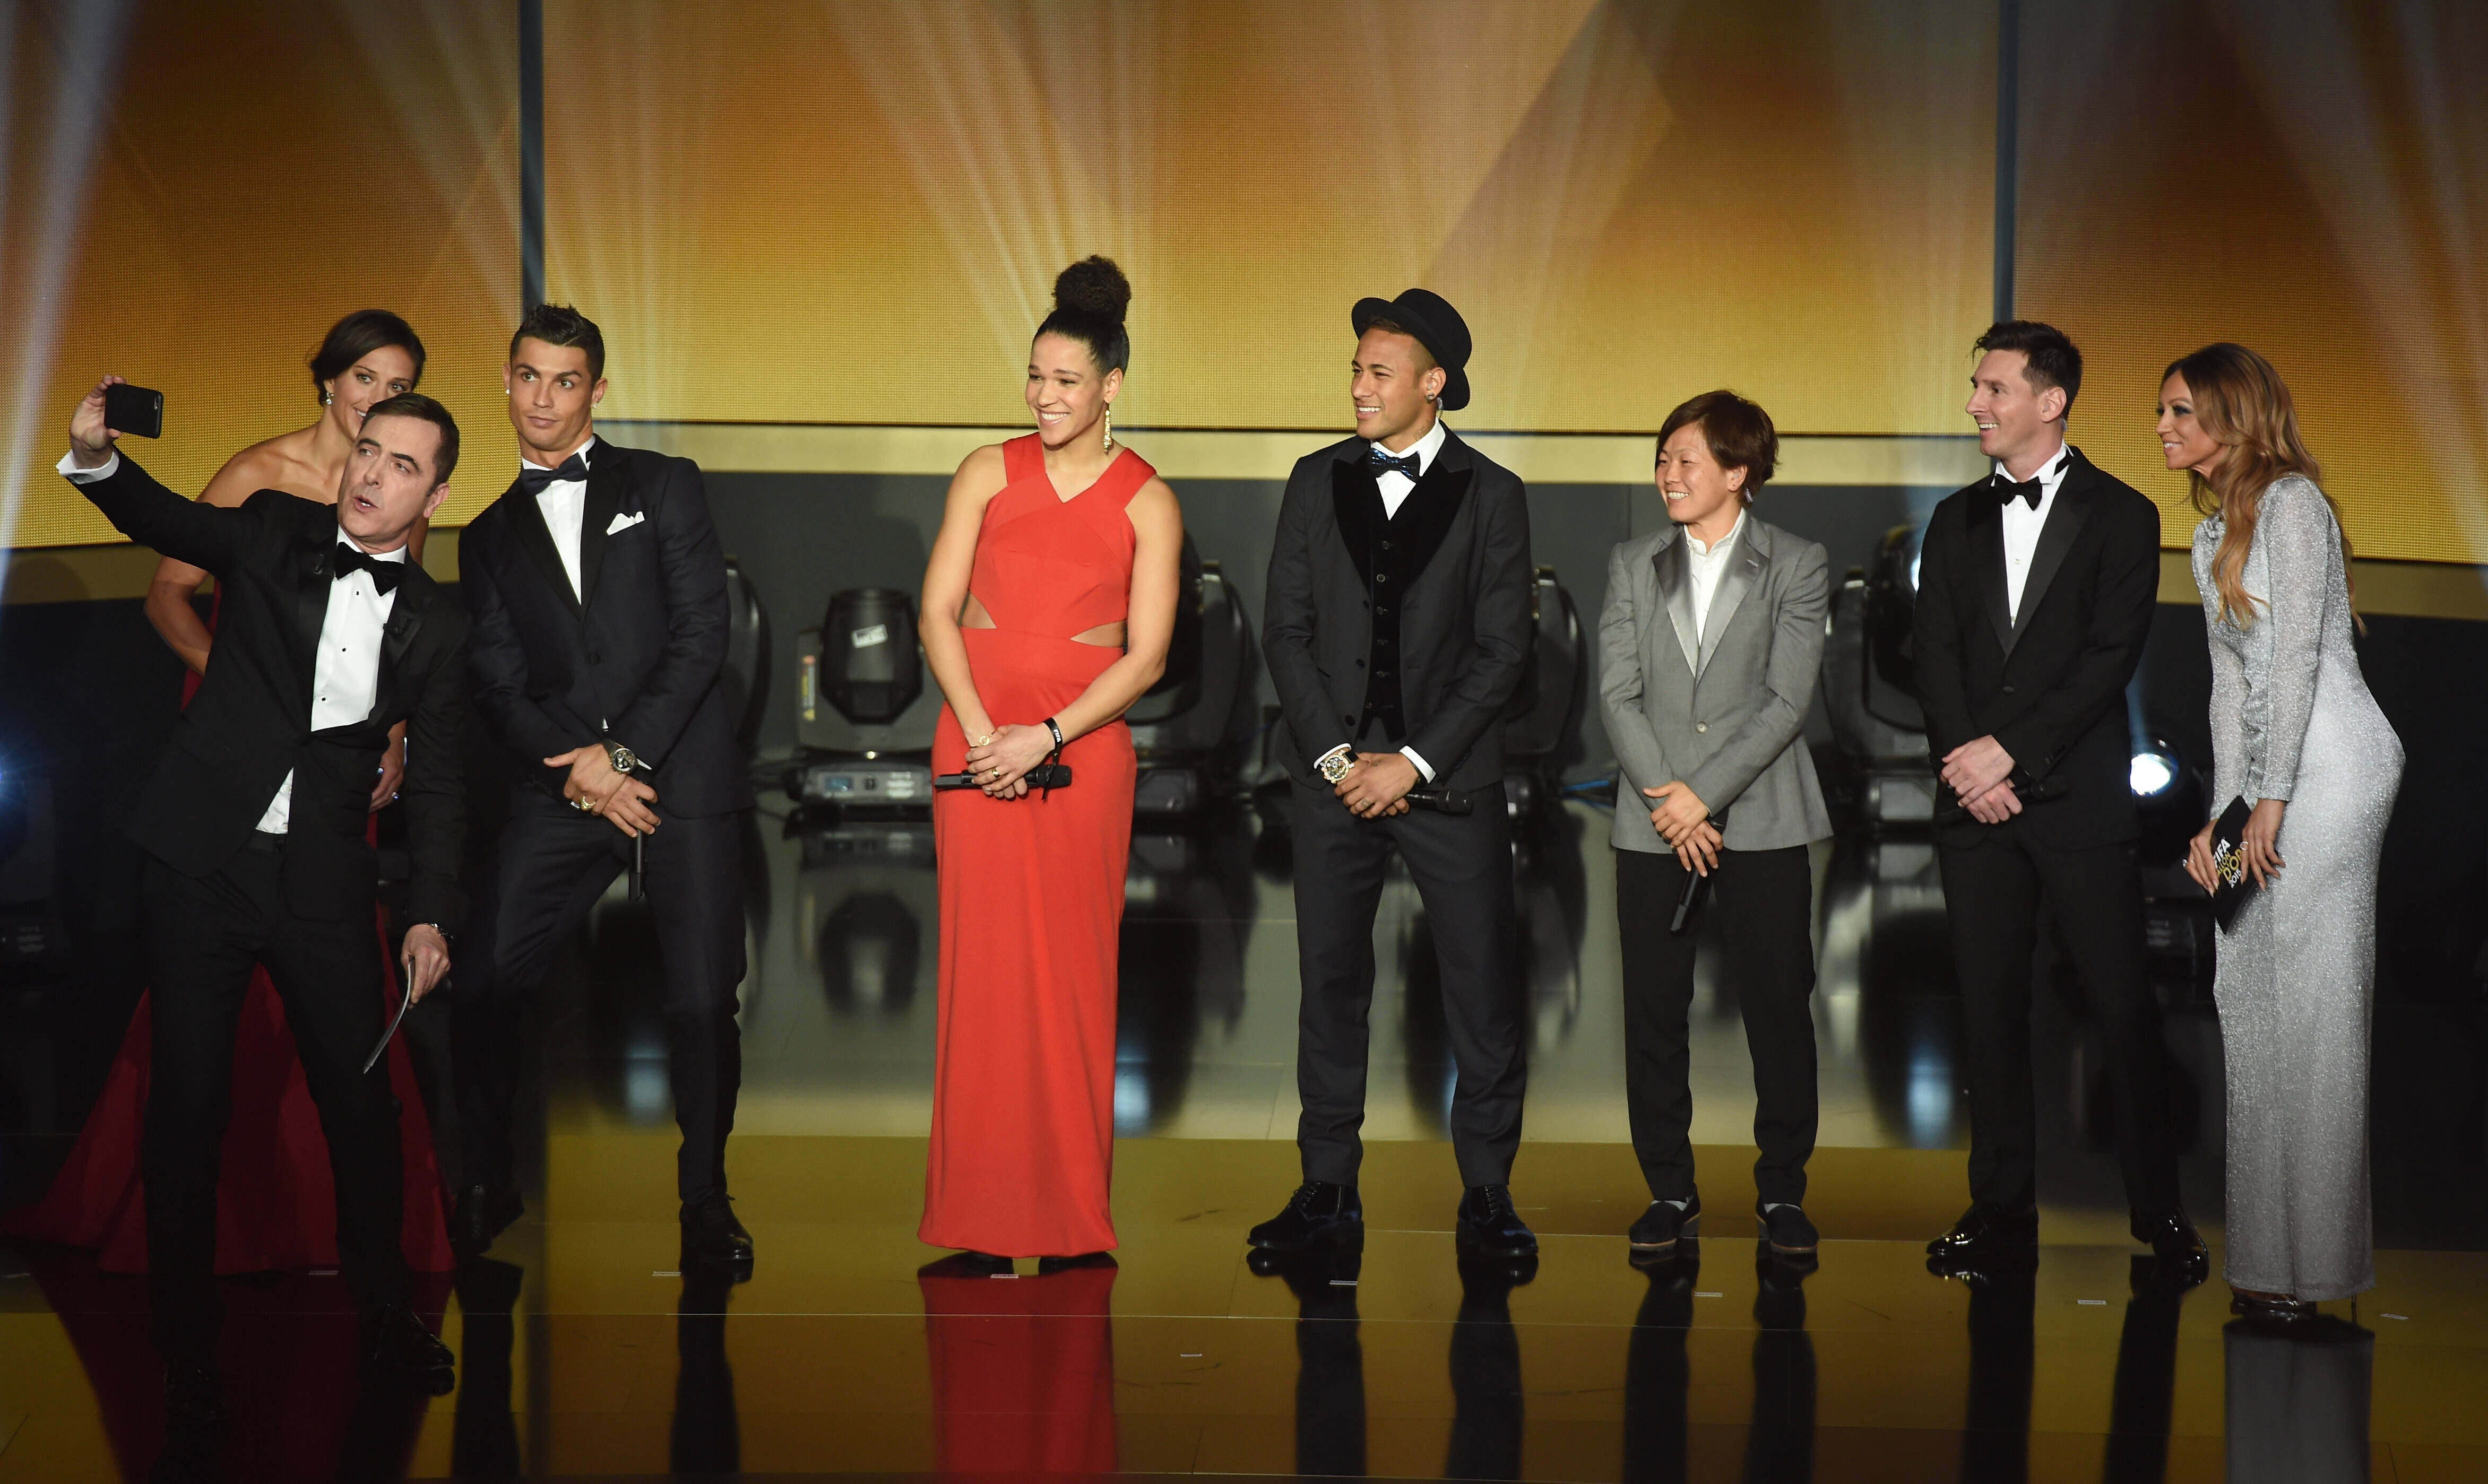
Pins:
x: 2050, y: 685
x: 1464, y: 624
x: 636, y: 657
x: 250, y: 722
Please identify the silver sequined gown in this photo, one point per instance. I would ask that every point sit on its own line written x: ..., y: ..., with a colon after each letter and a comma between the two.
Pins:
x: 2292, y: 719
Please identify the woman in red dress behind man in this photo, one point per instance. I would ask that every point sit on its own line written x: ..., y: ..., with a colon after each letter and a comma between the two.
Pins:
x: 276, y: 1204
x: 1048, y: 605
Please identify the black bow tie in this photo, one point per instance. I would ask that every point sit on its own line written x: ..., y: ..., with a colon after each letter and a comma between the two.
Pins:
x: 352, y: 559
x: 2007, y: 492
x: 1381, y: 462
x: 532, y: 479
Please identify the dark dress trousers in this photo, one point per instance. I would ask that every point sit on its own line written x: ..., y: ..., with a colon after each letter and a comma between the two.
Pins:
x: 2049, y: 686
x: 632, y: 655
x: 1409, y: 629
x: 217, y: 896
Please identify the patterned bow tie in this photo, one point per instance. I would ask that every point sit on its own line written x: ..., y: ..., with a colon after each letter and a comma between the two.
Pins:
x: 2007, y: 492
x: 352, y: 559
x: 1382, y: 463
x: 532, y: 479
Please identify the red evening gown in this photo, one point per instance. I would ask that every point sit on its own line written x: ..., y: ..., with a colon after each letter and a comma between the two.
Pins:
x: 1033, y: 888
x: 276, y: 1203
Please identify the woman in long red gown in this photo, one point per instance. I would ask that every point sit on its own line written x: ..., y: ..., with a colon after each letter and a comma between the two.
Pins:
x: 1048, y: 605
x: 275, y: 1199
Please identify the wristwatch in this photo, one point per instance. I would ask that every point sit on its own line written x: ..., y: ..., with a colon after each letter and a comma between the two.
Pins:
x: 1336, y: 763
x: 623, y: 759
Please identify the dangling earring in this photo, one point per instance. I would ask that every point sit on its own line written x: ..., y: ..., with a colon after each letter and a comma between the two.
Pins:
x: 1110, y: 426
x: 327, y: 398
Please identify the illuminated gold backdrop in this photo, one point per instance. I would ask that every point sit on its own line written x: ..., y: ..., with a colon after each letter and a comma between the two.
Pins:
x: 266, y: 168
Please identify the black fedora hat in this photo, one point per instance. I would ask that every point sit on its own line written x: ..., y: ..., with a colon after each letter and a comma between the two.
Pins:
x: 1436, y: 325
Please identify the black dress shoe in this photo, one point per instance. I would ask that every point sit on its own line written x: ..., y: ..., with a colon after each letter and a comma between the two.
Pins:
x: 1488, y: 1225
x: 483, y: 1213
x: 1664, y: 1224
x: 1318, y: 1212
x: 712, y: 1238
x: 1047, y: 1267
x: 1783, y: 1227
x: 1987, y: 1231
x: 2175, y: 1242
x: 194, y: 1392
x: 399, y: 1349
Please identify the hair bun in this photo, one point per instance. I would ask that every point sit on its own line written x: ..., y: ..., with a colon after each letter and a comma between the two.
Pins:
x: 1094, y: 287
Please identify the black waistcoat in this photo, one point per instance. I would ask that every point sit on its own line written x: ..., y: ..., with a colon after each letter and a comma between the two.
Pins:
x: 1391, y: 552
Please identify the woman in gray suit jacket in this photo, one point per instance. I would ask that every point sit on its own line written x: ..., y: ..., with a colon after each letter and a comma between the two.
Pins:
x: 1709, y: 649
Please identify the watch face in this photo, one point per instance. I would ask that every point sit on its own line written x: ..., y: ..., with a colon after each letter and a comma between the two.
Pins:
x: 1334, y: 768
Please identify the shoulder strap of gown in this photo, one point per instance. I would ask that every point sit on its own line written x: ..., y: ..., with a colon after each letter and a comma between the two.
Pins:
x: 1022, y: 459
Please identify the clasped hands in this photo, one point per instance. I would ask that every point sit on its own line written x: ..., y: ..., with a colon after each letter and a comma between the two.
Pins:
x: 1000, y: 763
x: 622, y: 800
x: 2259, y: 843
x: 1683, y: 821
x: 1978, y: 774
x: 1377, y: 785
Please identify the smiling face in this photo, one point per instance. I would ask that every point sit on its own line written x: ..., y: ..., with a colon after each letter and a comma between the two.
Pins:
x: 553, y: 399
x: 1699, y: 493
x: 2018, y: 423
x: 388, y: 483
x: 378, y: 376
x: 2183, y: 441
x: 1393, y: 381
x: 1064, y: 389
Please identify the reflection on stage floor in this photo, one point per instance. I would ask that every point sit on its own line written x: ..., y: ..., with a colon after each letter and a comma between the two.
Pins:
x: 585, y: 1351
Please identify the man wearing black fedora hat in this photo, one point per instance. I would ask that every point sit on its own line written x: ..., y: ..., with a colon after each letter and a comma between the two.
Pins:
x: 1397, y: 627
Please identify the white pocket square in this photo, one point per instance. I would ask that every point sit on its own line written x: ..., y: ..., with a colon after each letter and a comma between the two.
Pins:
x: 625, y: 523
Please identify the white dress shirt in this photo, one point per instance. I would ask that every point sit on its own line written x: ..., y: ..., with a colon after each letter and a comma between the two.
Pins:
x: 345, y: 672
x: 2022, y: 524
x: 564, y: 503
x: 1395, y: 486
x: 1706, y: 565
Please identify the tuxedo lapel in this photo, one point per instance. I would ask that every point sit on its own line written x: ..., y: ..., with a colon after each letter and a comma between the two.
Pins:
x: 1743, y: 574
x: 1676, y: 594
x: 1357, y: 503
x: 1424, y: 517
x: 605, y: 480
x: 1985, y: 533
x: 2064, y: 517
x: 314, y: 572
x: 536, y: 537
x: 414, y: 594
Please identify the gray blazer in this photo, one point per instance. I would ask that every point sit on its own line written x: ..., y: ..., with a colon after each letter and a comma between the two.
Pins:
x: 1727, y: 721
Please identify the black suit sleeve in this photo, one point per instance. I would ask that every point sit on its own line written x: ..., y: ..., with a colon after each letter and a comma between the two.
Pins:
x: 2121, y: 607
x: 205, y: 536
x: 697, y: 619
x: 1943, y: 692
x: 497, y: 663
x: 434, y: 789
x: 1500, y: 616
x: 1288, y: 619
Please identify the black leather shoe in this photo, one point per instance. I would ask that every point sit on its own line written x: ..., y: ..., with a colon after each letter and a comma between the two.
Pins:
x: 712, y: 1238
x: 1662, y: 1226
x: 1048, y: 1267
x: 398, y: 1347
x: 194, y: 1392
x: 1782, y: 1225
x: 1987, y: 1231
x: 483, y: 1213
x: 1318, y: 1212
x: 1489, y: 1225
x: 2173, y: 1241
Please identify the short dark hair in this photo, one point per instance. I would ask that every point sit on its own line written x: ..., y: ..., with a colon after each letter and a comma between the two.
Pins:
x: 559, y: 325
x: 2052, y: 359
x: 356, y: 336
x: 1738, y: 432
x: 416, y: 405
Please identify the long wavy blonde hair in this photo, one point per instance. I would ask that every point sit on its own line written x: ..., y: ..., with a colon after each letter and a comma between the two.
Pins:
x: 2243, y: 404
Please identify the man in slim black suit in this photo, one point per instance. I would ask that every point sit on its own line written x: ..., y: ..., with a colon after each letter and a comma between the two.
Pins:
x: 598, y: 592
x: 253, y: 825
x: 2035, y: 592
x: 1397, y: 627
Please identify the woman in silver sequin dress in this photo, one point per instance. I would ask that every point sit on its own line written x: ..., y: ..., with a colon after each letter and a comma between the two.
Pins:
x: 2295, y: 732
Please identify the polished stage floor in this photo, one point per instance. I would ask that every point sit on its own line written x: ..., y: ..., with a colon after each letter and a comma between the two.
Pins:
x: 585, y: 1353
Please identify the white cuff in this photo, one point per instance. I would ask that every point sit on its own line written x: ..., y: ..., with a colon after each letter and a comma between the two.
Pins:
x: 1410, y: 753
x: 1338, y: 751
x: 71, y: 471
